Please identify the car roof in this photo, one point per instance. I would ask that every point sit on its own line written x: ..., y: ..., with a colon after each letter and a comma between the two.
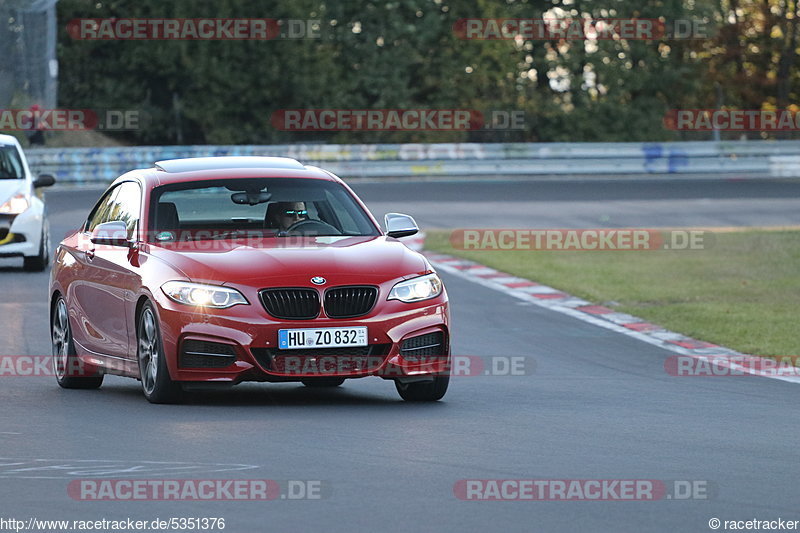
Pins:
x: 225, y: 167
x: 191, y: 164
x: 8, y: 140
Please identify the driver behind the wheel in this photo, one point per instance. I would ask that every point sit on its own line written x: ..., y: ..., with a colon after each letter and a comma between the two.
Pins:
x: 283, y: 215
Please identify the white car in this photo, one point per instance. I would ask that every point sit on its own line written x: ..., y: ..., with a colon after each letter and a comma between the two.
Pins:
x: 24, y: 230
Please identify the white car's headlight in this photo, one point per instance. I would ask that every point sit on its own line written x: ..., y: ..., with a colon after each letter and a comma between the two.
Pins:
x: 15, y: 205
x: 417, y: 289
x: 203, y: 295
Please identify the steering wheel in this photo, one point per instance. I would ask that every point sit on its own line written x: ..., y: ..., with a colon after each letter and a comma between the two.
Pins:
x: 312, y: 227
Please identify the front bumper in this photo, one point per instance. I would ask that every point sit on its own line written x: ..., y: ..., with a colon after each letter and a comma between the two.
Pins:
x: 20, y: 235
x: 250, y: 338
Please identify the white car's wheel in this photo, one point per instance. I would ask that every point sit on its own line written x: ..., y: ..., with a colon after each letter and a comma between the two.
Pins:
x: 38, y: 263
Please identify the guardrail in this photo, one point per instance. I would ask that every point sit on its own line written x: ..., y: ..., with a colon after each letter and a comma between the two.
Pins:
x: 711, y: 159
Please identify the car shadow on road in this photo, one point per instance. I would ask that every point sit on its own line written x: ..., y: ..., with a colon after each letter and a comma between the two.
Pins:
x: 272, y: 395
x: 285, y: 396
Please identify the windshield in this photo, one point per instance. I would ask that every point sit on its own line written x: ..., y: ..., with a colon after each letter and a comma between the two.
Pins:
x: 10, y: 163
x: 273, y: 207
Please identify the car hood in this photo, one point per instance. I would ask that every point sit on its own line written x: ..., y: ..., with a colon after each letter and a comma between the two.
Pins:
x: 293, y: 261
x: 10, y: 187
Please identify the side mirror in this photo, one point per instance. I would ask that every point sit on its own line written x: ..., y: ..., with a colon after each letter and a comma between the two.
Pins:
x: 113, y: 233
x: 44, y: 180
x: 399, y: 225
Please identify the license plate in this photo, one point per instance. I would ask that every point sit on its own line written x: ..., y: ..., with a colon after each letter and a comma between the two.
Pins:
x: 294, y: 339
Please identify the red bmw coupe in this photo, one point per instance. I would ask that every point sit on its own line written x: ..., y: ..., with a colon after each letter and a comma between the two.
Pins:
x: 207, y: 272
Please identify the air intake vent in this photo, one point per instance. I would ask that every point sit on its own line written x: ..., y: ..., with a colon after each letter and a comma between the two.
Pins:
x: 204, y: 354
x: 291, y: 304
x: 349, y: 302
x: 423, y: 346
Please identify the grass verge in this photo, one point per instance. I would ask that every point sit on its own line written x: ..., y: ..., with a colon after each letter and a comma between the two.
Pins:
x: 743, y: 292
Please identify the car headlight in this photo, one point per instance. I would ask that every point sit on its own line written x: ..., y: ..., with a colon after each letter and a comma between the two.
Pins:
x: 15, y: 205
x: 203, y: 295
x: 417, y: 289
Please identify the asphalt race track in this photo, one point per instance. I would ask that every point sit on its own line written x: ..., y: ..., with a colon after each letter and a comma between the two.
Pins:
x: 591, y: 203
x: 591, y: 404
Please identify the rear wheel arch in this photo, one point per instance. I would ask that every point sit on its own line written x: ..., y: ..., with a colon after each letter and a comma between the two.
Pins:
x: 70, y: 371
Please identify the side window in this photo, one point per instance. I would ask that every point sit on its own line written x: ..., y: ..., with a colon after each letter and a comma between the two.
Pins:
x: 127, y: 202
x: 10, y: 163
x: 102, y: 210
x: 120, y: 203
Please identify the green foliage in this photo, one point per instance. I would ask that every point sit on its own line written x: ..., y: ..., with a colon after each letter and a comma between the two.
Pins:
x: 405, y: 54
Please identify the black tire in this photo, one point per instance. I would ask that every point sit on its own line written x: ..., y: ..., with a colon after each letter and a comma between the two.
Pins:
x: 322, y: 383
x: 68, y: 369
x: 157, y: 384
x: 38, y: 263
x: 424, y: 391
